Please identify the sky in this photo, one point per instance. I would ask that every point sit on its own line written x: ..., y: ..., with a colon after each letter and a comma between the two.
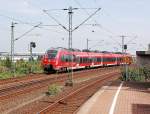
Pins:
x: 116, y: 18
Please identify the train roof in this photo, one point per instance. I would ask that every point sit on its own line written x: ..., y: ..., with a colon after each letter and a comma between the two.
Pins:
x: 61, y: 48
x: 86, y: 52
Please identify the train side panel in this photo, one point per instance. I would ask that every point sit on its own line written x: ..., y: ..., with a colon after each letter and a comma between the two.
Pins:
x: 62, y: 60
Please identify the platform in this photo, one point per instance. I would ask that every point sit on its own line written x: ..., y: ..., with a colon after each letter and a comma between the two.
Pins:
x: 119, y: 98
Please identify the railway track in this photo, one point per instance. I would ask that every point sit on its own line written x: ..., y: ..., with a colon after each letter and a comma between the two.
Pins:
x: 70, y: 103
x: 24, y: 87
x: 18, y: 79
x: 35, y: 76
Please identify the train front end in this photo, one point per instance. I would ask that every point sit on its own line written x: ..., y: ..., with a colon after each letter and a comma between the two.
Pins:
x: 49, y: 60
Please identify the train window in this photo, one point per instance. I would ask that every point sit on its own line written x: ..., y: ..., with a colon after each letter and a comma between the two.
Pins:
x: 99, y: 60
x: 65, y: 58
x: 90, y: 60
x: 87, y: 60
x: 78, y: 59
x: 84, y: 60
x: 114, y: 59
x: 104, y: 60
x: 119, y: 59
x: 62, y: 58
x: 52, y: 54
x: 94, y: 59
x: 81, y: 61
x: 68, y: 58
x: 74, y: 58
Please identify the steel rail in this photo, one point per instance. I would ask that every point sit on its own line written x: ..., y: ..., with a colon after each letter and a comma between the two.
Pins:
x: 106, y: 76
x: 34, y: 76
x: 22, y: 88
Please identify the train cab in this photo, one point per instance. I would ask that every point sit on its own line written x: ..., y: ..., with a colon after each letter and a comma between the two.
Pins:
x: 49, y: 60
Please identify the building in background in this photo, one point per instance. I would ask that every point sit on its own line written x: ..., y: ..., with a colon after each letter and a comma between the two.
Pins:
x: 21, y: 56
x: 143, y: 57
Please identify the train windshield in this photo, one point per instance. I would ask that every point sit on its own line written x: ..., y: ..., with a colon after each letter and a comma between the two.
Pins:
x: 52, y: 54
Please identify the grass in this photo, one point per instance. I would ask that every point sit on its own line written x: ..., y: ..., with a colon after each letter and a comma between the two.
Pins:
x: 5, y: 75
x: 22, y: 68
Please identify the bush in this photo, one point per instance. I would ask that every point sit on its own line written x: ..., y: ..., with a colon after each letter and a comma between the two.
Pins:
x: 22, y: 67
x: 53, y: 89
x: 146, y: 72
x: 7, y: 63
x: 28, y: 67
x: 3, y: 69
x: 136, y: 74
x: 36, y: 67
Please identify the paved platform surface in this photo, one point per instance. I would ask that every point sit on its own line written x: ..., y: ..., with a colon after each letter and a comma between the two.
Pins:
x: 119, y: 98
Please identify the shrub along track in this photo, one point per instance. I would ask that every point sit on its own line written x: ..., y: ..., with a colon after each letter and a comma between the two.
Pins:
x: 24, y: 86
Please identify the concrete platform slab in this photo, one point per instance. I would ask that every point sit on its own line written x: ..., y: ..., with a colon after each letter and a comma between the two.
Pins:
x: 133, y: 98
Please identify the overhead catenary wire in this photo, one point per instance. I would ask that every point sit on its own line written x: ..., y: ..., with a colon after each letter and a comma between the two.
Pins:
x: 45, y: 11
x: 66, y: 9
x: 97, y: 23
x: 115, y: 40
x: 41, y: 10
x: 106, y: 12
x: 22, y: 22
x: 133, y: 39
x: 87, y: 19
x: 27, y: 32
x: 17, y: 20
x: 100, y: 26
x: 28, y: 23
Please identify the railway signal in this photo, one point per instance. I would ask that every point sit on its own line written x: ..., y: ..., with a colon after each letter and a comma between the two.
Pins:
x: 32, y: 45
x: 126, y: 66
x: 125, y: 47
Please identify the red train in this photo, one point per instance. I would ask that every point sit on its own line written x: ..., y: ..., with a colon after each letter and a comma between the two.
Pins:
x: 61, y: 59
